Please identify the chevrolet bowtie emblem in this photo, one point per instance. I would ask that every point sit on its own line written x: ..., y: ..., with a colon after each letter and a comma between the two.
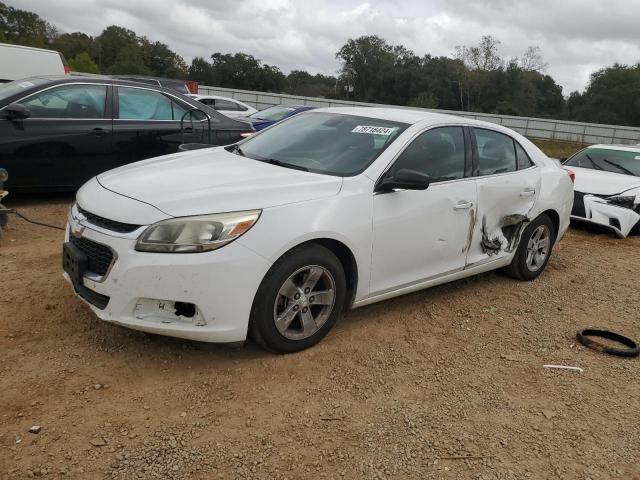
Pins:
x: 76, y: 228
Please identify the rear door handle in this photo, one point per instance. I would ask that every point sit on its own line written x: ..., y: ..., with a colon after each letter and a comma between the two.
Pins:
x: 99, y: 132
x: 188, y: 130
x: 463, y: 205
x: 528, y: 192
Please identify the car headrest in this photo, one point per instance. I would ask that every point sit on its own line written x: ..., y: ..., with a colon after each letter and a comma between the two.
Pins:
x: 494, y: 148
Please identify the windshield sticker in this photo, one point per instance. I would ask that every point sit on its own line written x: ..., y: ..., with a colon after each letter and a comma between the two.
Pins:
x: 26, y: 84
x: 386, y: 131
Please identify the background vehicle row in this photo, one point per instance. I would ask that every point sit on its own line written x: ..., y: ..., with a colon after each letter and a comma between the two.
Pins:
x: 57, y: 132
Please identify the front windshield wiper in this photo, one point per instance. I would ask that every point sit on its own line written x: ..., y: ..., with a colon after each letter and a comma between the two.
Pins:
x: 280, y: 163
x: 235, y: 148
x: 625, y: 170
x: 597, y: 167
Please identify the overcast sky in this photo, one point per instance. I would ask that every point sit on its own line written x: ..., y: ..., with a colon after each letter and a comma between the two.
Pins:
x: 576, y: 36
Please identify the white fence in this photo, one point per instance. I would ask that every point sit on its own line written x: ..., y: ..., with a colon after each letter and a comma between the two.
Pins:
x: 539, y: 128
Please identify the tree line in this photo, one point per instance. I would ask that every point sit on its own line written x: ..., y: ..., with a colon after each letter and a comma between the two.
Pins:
x: 474, y: 78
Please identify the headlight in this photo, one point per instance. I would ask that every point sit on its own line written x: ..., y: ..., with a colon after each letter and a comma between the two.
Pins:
x: 196, y: 234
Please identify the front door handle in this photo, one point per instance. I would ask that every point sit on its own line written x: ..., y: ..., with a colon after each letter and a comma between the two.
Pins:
x: 463, y: 205
x: 188, y: 130
x: 98, y: 132
x: 528, y: 192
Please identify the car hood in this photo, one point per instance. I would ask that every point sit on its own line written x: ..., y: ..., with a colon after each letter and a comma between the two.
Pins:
x: 213, y: 180
x: 602, y: 183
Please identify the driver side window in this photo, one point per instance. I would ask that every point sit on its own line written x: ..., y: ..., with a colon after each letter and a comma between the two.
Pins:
x: 438, y: 152
x: 69, y: 101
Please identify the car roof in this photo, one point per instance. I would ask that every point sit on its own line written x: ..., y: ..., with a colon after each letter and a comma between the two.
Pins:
x: 62, y: 79
x: 620, y: 146
x: 405, y: 115
x: 197, y: 95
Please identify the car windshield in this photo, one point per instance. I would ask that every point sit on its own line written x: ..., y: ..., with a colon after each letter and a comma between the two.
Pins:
x: 625, y: 162
x: 328, y: 143
x: 12, y: 88
x: 273, y: 114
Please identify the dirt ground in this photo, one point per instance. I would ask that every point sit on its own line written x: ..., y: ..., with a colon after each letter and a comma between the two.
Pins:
x: 402, y: 389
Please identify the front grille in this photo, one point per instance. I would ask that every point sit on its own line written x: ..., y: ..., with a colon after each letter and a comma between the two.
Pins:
x: 99, y: 256
x: 107, y: 224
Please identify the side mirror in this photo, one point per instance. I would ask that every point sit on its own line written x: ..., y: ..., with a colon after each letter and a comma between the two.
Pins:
x: 15, y: 111
x: 404, y: 179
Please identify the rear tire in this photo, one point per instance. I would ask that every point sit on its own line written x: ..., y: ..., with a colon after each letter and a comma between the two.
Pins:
x: 534, y: 250
x: 299, y: 300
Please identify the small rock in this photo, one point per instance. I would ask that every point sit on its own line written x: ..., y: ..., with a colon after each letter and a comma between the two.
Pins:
x: 510, y: 358
x: 98, y: 442
x: 35, y: 429
x: 97, y: 386
x: 549, y: 414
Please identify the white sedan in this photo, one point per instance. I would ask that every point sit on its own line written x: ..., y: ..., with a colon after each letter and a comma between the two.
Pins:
x: 333, y: 208
x: 229, y: 107
x: 607, y: 187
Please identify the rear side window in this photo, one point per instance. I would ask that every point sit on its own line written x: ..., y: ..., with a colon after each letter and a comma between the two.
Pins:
x: 524, y: 161
x: 140, y: 104
x: 226, y: 105
x: 438, y: 153
x: 496, y: 152
x: 68, y: 101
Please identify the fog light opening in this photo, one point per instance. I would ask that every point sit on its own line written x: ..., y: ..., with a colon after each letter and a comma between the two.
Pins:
x: 184, y: 309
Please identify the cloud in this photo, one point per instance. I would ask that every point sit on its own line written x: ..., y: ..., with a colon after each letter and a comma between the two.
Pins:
x: 576, y: 36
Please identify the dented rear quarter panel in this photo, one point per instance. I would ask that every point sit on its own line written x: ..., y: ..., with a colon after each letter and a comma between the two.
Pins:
x: 556, y: 188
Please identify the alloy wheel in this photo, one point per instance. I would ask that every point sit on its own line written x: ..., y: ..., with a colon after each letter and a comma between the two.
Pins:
x: 304, y: 302
x: 538, y: 248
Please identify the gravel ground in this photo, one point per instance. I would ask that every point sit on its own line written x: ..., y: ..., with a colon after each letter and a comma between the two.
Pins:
x: 445, y: 383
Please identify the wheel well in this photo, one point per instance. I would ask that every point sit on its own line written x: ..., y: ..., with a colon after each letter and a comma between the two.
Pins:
x: 347, y: 260
x: 555, y: 220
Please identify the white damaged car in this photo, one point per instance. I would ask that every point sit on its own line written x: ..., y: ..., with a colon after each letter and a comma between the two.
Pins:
x: 275, y: 236
x: 607, y: 187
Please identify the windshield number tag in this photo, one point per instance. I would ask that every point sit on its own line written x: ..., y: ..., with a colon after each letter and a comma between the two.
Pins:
x: 386, y: 131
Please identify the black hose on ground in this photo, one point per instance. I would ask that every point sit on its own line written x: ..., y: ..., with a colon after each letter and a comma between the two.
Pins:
x: 42, y: 224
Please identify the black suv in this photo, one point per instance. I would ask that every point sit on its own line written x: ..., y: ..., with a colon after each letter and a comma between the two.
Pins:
x: 58, y: 132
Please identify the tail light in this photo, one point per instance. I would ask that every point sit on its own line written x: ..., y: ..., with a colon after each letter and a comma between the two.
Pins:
x: 67, y: 70
x: 572, y: 175
x: 246, y: 134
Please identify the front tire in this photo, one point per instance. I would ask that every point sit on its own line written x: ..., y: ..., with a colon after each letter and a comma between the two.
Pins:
x: 299, y: 300
x: 534, y: 250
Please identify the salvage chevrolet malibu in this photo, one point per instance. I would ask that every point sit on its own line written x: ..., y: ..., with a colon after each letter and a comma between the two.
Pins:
x: 274, y: 236
x: 607, y: 190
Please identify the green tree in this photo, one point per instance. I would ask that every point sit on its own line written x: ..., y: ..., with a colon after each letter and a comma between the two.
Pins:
x: 303, y: 83
x: 73, y: 44
x: 612, y: 96
x: 118, y: 46
x: 25, y: 28
x: 161, y: 61
x: 365, y: 61
x: 83, y: 63
x: 424, y: 100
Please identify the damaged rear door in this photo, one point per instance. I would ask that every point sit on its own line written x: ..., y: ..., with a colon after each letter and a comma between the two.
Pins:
x: 508, y: 183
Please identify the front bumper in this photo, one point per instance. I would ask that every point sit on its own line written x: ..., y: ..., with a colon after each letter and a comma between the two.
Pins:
x: 597, y: 210
x: 142, y: 288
